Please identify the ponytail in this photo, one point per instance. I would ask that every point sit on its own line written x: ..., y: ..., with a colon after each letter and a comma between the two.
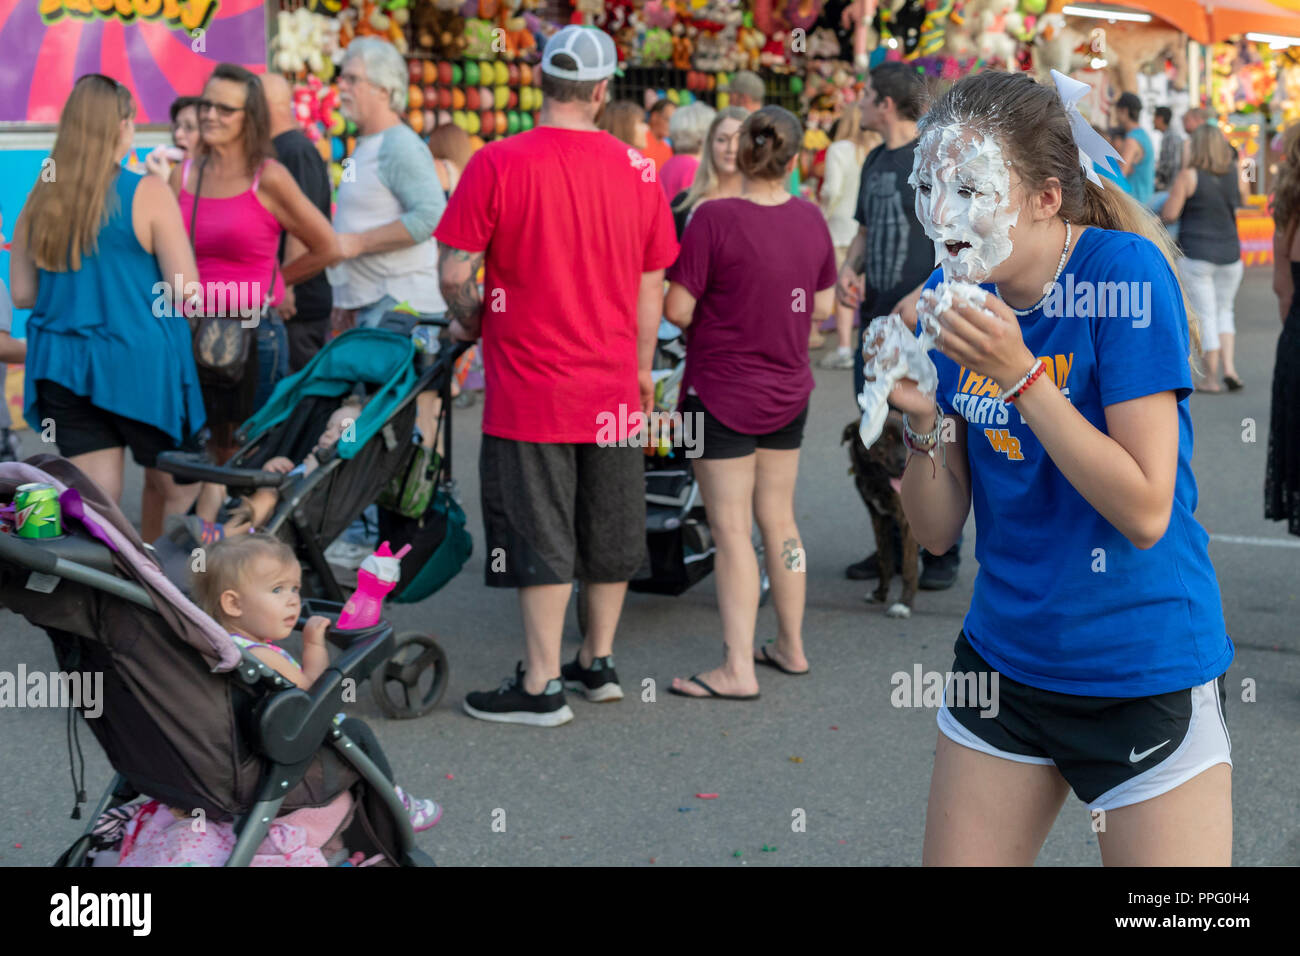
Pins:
x: 769, y: 139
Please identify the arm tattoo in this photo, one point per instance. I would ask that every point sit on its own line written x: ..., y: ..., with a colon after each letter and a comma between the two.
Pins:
x: 465, y: 302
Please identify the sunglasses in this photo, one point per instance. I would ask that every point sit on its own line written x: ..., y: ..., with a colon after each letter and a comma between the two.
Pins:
x: 224, y: 111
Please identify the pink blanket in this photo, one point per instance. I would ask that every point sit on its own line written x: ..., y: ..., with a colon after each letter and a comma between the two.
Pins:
x: 156, y: 837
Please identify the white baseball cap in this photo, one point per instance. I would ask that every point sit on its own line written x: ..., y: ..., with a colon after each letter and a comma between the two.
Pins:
x: 590, y: 47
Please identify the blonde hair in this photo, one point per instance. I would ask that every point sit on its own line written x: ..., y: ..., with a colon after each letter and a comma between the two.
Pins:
x: 706, y: 174
x: 1030, y: 121
x: 225, y: 567
x: 65, y: 212
x: 850, y: 127
x: 1210, y: 150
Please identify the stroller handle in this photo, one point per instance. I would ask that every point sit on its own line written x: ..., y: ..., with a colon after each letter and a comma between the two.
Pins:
x: 26, y: 553
x: 196, y: 466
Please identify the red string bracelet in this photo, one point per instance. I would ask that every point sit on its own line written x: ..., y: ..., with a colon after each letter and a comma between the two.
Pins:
x: 1025, y: 382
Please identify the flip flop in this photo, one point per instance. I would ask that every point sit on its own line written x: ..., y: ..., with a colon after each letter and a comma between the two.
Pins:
x: 773, y: 662
x: 1234, y: 384
x: 711, y: 693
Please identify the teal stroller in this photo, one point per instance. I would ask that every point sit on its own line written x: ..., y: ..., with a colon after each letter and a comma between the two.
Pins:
x: 376, y: 460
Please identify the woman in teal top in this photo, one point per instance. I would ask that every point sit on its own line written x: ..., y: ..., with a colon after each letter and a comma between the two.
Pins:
x: 109, y: 360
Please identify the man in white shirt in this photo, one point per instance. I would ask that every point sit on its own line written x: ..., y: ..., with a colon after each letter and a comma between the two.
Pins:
x: 389, y: 200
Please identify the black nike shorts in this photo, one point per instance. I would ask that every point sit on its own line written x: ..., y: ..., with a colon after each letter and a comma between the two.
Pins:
x: 1113, y: 751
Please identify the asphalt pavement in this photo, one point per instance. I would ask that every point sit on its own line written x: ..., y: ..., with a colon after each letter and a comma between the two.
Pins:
x: 619, y: 784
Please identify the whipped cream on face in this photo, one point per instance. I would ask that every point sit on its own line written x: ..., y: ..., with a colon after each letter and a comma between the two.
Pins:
x: 900, y: 354
x: 963, y: 188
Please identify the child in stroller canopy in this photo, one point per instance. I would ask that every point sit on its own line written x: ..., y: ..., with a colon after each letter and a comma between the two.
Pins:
x: 250, y: 586
x: 252, y: 511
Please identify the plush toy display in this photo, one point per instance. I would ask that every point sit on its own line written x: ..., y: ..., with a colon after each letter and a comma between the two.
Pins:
x: 1131, y: 47
x: 305, y: 41
x: 995, y: 45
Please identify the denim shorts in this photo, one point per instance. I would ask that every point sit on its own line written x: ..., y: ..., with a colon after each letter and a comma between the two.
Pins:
x: 272, y: 356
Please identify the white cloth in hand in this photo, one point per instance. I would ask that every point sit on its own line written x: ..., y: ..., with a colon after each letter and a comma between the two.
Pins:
x: 893, y: 352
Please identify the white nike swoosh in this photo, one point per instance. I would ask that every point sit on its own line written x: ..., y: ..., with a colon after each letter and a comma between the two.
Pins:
x: 1134, y: 756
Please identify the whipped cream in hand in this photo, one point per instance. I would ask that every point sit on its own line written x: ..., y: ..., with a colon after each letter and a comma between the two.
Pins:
x: 892, y: 353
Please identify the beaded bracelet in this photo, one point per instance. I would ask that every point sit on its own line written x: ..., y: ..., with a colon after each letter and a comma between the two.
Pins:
x: 1030, y: 377
x: 927, y: 443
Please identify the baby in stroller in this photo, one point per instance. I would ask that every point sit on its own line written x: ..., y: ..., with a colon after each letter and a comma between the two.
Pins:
x: 250, y: 586
x: 253, y: 510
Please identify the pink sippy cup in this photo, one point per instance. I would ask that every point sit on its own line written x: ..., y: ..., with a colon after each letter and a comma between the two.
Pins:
x: 378, y: 574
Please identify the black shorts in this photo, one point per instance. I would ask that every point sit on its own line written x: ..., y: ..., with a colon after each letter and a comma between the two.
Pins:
x: 1113, y: 751
x: 556, y: 512
x: 719, y: 441
x: 80, y: 427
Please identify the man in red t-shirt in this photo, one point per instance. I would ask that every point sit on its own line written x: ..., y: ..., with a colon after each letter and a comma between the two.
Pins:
x: 574, y: 234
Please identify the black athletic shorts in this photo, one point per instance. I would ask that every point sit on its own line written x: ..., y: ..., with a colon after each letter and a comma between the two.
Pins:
x: 1113, y: 751
x: 556, y: 512
x: 80, y: 427
x: 719, y: 441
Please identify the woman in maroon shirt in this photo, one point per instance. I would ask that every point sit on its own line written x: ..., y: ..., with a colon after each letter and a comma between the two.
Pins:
x: 752, y: 273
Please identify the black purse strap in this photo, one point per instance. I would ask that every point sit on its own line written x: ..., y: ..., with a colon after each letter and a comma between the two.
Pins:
x: 194, y: 214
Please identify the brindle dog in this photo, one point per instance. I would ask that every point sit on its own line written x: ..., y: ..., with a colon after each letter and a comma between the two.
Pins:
x: 877, y: 472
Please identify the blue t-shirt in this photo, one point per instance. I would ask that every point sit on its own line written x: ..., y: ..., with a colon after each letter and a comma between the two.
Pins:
x: 1044, y: 612
x: 1142, y: 177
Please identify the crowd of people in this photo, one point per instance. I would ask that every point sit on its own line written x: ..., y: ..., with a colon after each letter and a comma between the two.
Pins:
x: 587, y: 263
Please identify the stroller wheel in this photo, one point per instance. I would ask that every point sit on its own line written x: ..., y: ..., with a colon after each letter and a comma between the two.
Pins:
x: 413, y: 680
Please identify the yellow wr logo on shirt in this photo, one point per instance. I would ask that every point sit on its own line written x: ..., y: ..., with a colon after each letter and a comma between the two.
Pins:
x: 1002, y: 441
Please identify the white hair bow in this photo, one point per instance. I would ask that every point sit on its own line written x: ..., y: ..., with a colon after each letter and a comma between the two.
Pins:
x: 1092, y: 147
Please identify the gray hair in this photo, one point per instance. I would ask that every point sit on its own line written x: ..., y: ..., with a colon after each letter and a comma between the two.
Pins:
x: 384, y: 67
x: 688, y: 127
x: 747, y: 84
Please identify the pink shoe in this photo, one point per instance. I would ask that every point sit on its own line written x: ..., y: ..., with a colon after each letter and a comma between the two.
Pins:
x: 423, y: 813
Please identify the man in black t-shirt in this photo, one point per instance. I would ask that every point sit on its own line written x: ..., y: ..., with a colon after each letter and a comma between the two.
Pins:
x: 891, y: 257
x: 307, y: 310
x: 891, y: 254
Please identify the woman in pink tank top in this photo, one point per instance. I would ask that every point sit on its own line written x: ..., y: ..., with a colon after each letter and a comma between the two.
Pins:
x: 246, y: 200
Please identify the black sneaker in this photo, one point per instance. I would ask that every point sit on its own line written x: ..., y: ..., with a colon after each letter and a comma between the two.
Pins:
x: 939, y: 571
x: 510, y: 704
x: 868, y: 569
x: 598, y: 683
